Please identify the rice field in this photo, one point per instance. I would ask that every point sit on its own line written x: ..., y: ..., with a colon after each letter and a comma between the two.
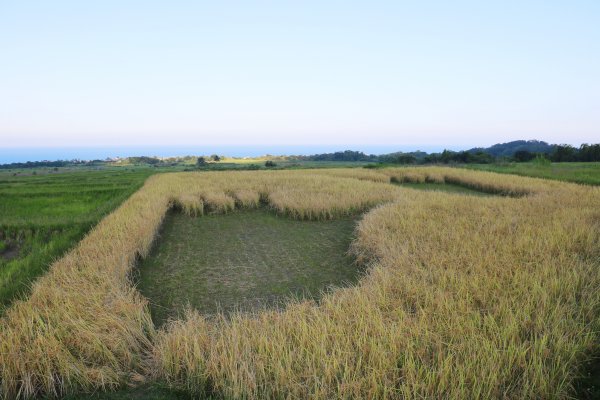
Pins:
x: 463, y: 296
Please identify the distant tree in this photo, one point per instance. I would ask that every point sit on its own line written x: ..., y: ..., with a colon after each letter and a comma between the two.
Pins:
x: 564, y: 153
x: 589, y: 152
x: 270, y: 164
x: 479, y: 158
x: 447, y: 156
x: 432, y: 158
x: 460, y: 157
x: 523, y: 156
x: 406, y: 159
x: 509, y: 149
x: 200, y: 162
x: 37, y: 164
x: 215, y: 157
x: 347, y: 155
x: 137, y: 160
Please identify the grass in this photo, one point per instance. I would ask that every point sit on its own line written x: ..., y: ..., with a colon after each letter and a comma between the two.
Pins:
x: 445, y: 187
x: 43, y: 215
x: 578, y: 172
x: 243, y: 260
x: 465, y: 296
x: 149, y: 391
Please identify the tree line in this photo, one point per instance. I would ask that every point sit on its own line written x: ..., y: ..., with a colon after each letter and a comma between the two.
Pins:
x: 50, y: 164
x: 522, y: 151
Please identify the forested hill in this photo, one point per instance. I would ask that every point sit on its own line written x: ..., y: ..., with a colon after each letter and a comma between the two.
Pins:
x: 518, y: 150
x: 510, y: 148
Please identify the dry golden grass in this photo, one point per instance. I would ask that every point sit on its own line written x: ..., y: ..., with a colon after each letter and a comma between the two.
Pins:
x: 487, y: 182
x: 356, y: 173
x: 466, y: 297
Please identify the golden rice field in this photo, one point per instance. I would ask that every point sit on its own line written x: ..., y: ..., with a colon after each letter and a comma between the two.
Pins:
x: 465, y: 297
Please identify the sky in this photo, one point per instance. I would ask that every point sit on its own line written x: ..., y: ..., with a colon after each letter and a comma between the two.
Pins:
x: 305, y: 73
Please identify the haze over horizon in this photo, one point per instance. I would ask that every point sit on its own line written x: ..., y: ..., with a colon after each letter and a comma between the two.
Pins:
x: 336, y: 75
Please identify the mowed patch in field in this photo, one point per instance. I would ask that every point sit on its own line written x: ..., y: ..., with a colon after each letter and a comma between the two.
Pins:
x: 445, y: 187
x: 245, y: 260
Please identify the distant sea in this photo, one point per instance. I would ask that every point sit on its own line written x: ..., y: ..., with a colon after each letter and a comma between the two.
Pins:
x: 22, y: 154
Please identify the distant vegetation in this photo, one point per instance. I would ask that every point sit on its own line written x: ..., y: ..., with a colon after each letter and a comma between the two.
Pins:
x: 347, y: 155
x: 515, y: 151
x: 510, y: 148
x: 51, y: 164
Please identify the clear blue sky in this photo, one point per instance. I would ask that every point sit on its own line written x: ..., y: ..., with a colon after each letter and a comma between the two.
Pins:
x: 440, y: 73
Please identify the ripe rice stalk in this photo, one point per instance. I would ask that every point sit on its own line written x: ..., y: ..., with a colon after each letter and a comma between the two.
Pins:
x: 246, y: 199
x: 190, y: 204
